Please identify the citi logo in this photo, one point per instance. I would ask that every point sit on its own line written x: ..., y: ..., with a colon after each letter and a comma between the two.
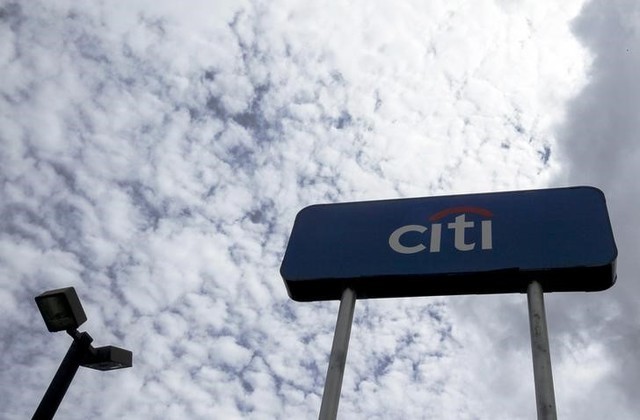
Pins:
x: 411, y: 244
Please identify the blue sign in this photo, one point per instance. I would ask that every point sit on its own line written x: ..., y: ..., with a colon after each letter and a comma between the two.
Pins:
x: 465, y: 244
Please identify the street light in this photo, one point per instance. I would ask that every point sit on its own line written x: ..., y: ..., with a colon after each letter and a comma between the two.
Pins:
x: 62, y: 311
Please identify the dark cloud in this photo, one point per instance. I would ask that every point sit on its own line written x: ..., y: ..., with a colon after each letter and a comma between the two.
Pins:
x: 600, y: 147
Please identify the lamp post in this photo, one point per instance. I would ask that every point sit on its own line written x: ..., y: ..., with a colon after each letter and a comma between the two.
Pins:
x: 62, y: 311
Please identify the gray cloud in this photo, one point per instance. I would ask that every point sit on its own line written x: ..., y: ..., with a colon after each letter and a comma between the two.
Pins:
x: 600, y: 147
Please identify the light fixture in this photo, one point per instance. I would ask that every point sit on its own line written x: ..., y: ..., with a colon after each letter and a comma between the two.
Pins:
x: 62, y: 311
x: 108, y: 358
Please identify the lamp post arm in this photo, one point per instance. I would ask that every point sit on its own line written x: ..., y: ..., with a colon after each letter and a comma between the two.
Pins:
x: 60, y: 383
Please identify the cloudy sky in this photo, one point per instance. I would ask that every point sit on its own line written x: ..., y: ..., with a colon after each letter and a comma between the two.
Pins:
x: 154, y: 154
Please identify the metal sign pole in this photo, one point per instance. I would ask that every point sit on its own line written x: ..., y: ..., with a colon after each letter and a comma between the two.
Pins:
x: 338, y: 358
x: 545, y: 399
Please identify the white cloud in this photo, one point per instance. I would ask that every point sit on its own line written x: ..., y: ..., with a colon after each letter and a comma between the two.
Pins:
x: 154, y: 156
